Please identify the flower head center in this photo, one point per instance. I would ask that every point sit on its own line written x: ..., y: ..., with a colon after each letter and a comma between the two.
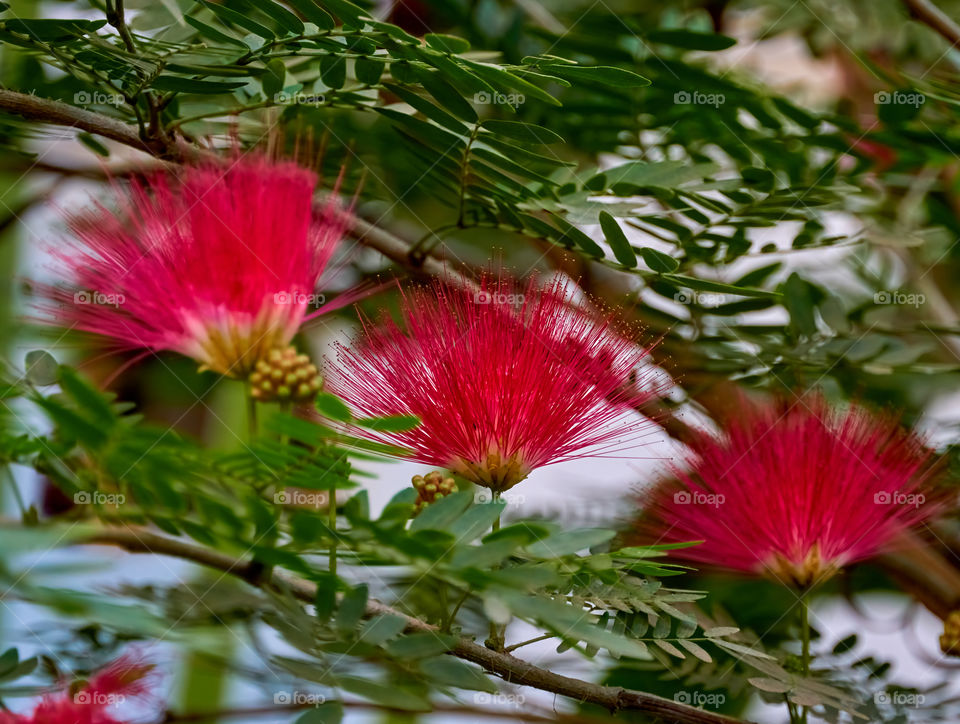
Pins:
x: 496, y: 471
x: 803, y: 573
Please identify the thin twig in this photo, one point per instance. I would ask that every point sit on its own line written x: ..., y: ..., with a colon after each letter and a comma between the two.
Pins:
x: 509, y: 668
x: 929, y: 14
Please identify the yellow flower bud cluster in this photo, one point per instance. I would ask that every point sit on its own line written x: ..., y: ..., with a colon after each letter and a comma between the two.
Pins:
x: 285, y: 376
x: 431, y: 487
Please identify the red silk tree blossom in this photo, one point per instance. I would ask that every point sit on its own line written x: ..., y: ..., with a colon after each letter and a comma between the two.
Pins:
x: 218, y: 262
x: 95, y: 701
x: 504, y: 380
x: 794, y: 491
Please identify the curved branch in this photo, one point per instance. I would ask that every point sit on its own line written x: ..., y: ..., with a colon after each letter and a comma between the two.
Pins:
x: 57, y: 113
x: 929, y: 14
x: 45, y: 110
x: 507, y: 667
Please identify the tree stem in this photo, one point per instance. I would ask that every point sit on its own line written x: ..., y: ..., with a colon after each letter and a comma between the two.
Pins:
x: 498, y: 632
x: 332, y: 523
x: 805, y: 641
x: 251, y: 417
x: 507, y: 667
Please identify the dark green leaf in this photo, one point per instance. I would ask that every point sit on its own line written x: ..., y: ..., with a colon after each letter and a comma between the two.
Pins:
x: 707, y: 285
x: 208, y: 31
x: 332, y: 407
x: 380, y: 629
x: 52, y: 29
x: 604, y: 74
x: 447, y: 43
x: 330, y: 712
x: 526, y: 132
x: 799, y: 302
x: 189, y: 85
x: 391, y: 696
x: 426, y: 108
x: 572, y: 236
x: 274, y: 79
x: 393, y: 423
x: 368, y: 71
x: 420, y: 645
x: 569, y: 541
x: 333, y: 70
x: 93, y: 144
x: 442, y: 514
x: 314, y: 13
x: 283, y: 17
x: 352, y: 607
x: 498, y: 76
x: 454, y: 672
x: 86, y: 397
x: 617, y: 240
x: 346, y: 11
x: 237, y: 18
x: 691, y: 40
x: 326, y: 599
x: 447, y: 96
x: 658, y: 261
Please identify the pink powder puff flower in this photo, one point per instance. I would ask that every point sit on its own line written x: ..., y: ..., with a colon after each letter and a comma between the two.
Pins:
x: 129, y: 677
x: 794, y: 491
x: 218, y: 262
x: 504, y: 380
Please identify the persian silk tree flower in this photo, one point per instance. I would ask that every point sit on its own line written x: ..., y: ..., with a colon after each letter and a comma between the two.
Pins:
x: 95, y: 701
x: 504, y: 380
x: 796, y: 492
x: 219, y: 262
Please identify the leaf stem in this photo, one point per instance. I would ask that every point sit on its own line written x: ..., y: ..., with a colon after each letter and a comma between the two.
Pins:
x: 535, y: 639
x: 498, y: 632
x: 332, y: 523
x: 451, y: 619
x: 805, y: 641
x: 251, y: 416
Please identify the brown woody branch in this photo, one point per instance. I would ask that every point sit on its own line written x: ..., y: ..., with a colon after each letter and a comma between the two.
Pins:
x: 44, y: 110
x: 929, y: 14
x: 507, y: 667
x: 204, y: 717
